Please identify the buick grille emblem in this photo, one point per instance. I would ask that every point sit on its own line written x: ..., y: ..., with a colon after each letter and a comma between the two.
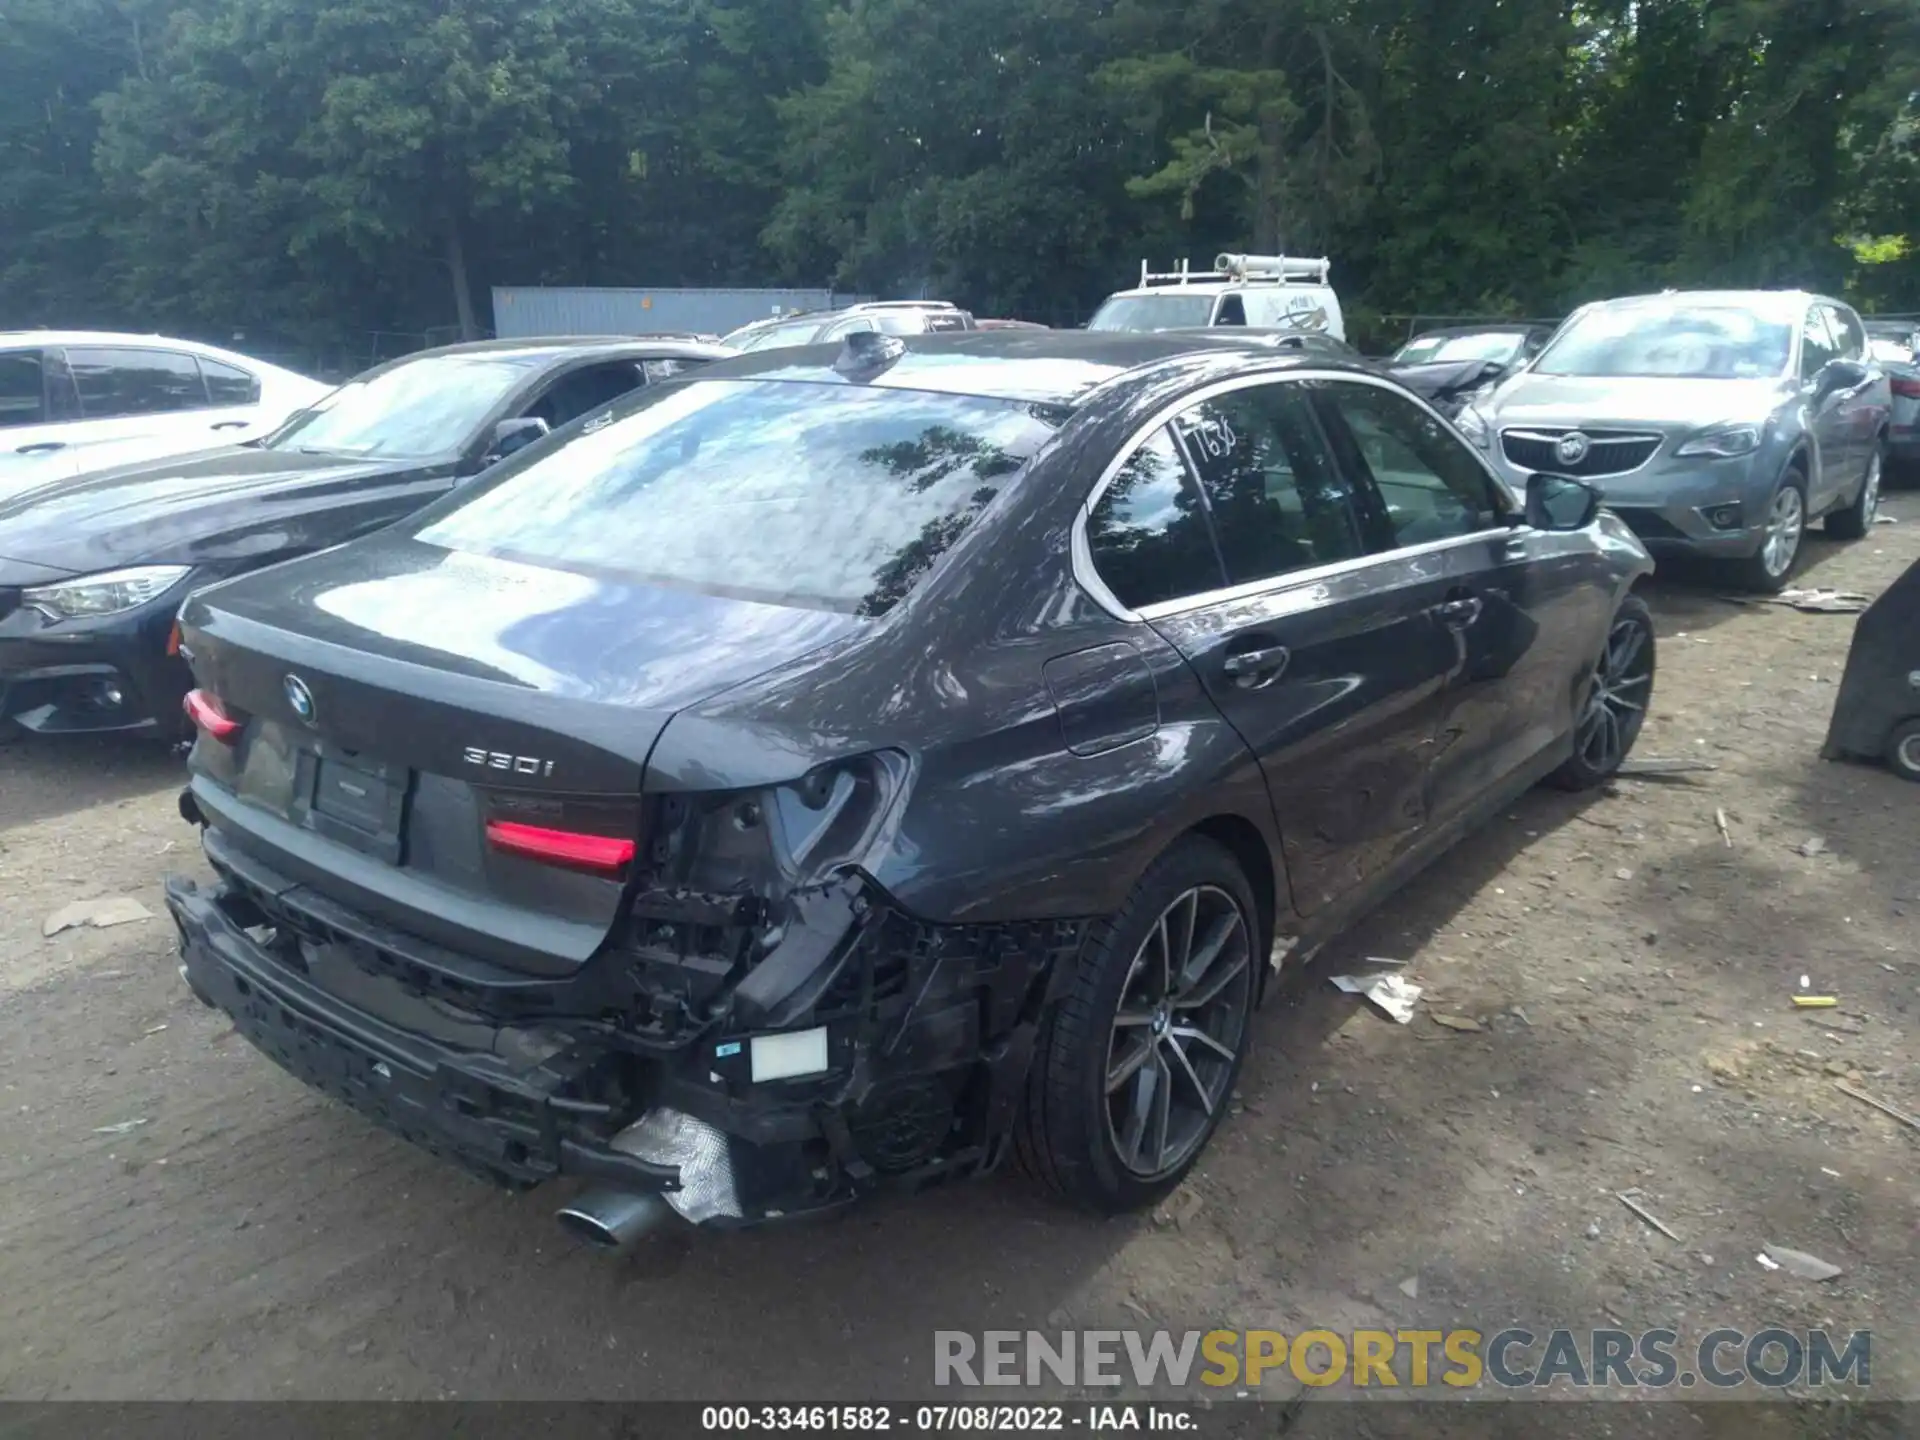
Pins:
x: 299, y: 697
x: 1571, y: 448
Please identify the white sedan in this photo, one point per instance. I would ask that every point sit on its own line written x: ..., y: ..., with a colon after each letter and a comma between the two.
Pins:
x: 74, y: 400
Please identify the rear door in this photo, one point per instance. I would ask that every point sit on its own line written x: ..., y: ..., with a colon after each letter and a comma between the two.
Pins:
x: 25, y: 428
x: 1324, y: 657
x: 128, y: 393
x: 1524, y: 611
x: 1827, y: 411
x: 1860, y: 405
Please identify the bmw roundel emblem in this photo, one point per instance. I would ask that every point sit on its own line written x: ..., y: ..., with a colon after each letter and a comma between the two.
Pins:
x: 299, y: 697
x: 1571, y: 448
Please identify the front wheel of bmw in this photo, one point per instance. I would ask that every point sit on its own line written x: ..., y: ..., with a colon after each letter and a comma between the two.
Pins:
x: 1614, y: 704
x: 1136, y: 1064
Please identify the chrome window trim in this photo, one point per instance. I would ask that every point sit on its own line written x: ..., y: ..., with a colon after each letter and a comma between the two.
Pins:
x: 1318, y: 574
x: 1081, y: 549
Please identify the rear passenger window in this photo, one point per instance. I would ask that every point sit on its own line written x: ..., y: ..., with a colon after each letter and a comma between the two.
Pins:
x: 22, y: 389
x: 228, y: 384
x: 1149, y: 533
x: 136, y: 382
x: 1428, y: 483
x: 659, y: 370
x: 1818, y: 348
x: 1277, y: 501
x: 1850, y: 332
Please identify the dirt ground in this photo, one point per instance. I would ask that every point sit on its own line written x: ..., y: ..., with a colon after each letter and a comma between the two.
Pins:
x: 1633, y: 975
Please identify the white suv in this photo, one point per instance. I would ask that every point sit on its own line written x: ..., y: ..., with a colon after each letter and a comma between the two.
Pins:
x: 1265, y: 292
x: 72, y: 400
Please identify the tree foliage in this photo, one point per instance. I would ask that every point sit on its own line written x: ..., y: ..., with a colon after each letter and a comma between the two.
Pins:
x: 325, y: 167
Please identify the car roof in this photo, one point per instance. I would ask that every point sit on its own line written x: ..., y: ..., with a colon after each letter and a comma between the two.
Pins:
x: 128, y: 340
x: 548, y: 349
x: 1783, y: 304
x: 1048, y: 367
x: 1492, y: 327
x: 1221, y: 287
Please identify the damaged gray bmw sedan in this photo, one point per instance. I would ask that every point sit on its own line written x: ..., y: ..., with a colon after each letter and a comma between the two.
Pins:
x: 858, y: 766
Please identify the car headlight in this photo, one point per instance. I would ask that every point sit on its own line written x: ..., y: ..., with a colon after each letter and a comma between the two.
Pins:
x: 1723, y: 442
x: 1472, y: 424
x: 107, y: 593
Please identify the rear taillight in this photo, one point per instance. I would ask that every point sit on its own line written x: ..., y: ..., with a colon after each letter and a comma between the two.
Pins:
x: 597, y: 854
x: 1906, y: 388
x: 211, y: 716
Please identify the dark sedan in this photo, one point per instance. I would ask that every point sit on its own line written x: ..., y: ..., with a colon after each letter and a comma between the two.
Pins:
x: 93, y: 569
x: 852, y: 766
x: 1446, y: 367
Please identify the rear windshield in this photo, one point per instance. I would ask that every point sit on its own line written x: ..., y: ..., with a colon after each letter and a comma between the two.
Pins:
x: 1153, y: 312
x: 774, y: 337
x: 1440, y: 349
x: 827, y: 496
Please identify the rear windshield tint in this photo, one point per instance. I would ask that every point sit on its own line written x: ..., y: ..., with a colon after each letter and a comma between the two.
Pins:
x: 832, y: 497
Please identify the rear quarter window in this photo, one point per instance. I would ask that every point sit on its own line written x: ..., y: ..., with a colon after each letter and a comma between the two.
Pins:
x: 825, y: 496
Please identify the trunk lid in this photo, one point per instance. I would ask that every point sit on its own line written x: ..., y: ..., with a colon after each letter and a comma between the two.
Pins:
x: 396, y: 700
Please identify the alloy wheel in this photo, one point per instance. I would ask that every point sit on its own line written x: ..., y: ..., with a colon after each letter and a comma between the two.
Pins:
x: 1617, y: 700
x: 1178, y: 1030
x: 1909, y: 753
x: 1786, y: 522
x: 1870, y: 492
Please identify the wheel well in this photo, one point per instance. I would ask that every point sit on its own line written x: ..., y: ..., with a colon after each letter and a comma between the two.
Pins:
x: 1242, y: 839
x: 1800, y: 460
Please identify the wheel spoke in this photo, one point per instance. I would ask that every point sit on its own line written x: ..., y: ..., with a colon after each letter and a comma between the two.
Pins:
x: 1130, y: 1065
x: 1192, y: 907
x: 1625, y: 650
x: 1193, y: 1076
x: 1162, y: 1110
x: 1632, y: 683
x: 1188, y: 1032
x: 1129, y: 1019
x: 1140, y: 1106
x: 1199, y: 999
x: 1166, y: 960
x: 1203, y: 958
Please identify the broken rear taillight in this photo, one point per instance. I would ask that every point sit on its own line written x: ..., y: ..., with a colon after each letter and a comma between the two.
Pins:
x: 574, y: 849
x: 211, y: 716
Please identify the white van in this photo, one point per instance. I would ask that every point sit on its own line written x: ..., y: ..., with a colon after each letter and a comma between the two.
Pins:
x: 1266, y: 292
x: 72, y: 400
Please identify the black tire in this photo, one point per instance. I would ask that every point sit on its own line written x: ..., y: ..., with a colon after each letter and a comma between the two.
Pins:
x: 1066, y: 1137
x: 1853, y: 522
x: 1903, y: 750
x: 1757, y: 572
x: 1614, y: 704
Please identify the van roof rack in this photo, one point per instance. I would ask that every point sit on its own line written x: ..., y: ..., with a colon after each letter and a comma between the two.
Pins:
x: 1243, y: 270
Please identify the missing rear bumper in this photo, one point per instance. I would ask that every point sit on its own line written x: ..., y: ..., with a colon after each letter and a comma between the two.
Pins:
x: 906, y: 1072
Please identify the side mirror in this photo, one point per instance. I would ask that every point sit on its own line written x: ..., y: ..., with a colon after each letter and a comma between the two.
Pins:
x: 1492, y: 370
x: 1561, y: 503
x: 510, y: 436
x: 1837, y: 375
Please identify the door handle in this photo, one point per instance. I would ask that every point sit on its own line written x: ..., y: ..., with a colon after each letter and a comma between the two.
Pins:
x: 44, y: 447
x: 1459, y: 613
x: 231, y: 424
x: 1250, y: 669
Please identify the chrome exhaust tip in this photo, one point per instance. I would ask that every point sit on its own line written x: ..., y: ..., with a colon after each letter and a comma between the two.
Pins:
x: 613, y: 1219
